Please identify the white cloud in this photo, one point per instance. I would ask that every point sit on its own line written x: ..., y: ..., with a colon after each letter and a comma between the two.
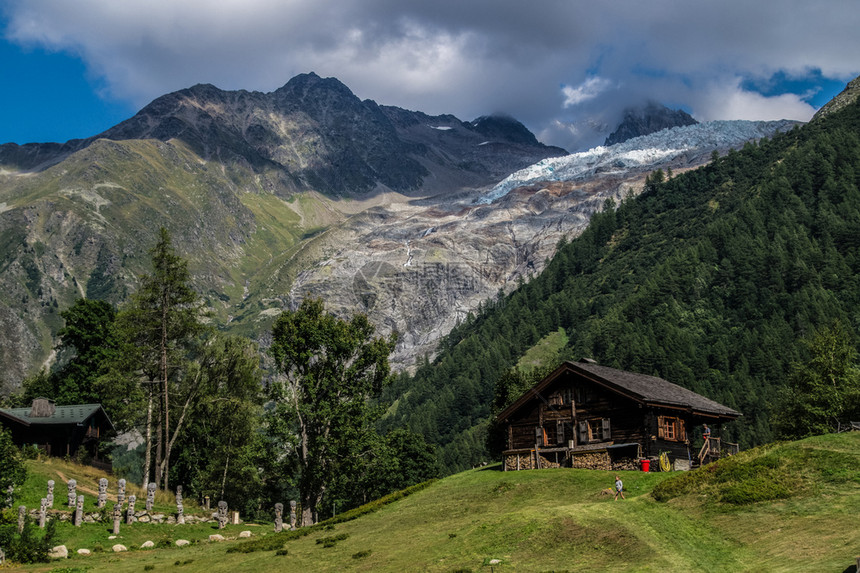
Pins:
x: 465, y: 58
x: 732, y: 102
x: 589, y: 89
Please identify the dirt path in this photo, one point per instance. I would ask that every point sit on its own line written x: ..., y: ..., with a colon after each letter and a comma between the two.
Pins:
x: 83, y: 488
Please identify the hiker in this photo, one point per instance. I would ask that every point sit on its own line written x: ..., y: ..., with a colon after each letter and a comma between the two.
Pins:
x: 618, y: 488
x: 706, y: 433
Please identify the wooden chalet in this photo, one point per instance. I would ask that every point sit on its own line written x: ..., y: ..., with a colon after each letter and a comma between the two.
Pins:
x: 591, y: 416
x: 58, y: 430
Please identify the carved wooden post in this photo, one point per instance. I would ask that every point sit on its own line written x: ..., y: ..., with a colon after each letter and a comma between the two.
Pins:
x: 79, y: 512
x: 73, y: 496
x: 206, y: 502
x: 293, y: 514
x: 103, y: 485
x: 120, y: 491
x: 22, y: 515
x: 2, y: 556
x: 50, y: 496
x: 129, y: 516
x: 117, y: 516
x: 43, y: 511
x: 150, y: 496
x: 180, y: 515
x: 9, y: 491
x: 279, y: 521
x: 222, y: 514
x: 179, y: 495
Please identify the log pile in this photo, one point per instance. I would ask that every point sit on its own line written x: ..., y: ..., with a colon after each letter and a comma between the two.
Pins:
x: 526, y: 462
x: 624, y: 464
x: 591, y: 461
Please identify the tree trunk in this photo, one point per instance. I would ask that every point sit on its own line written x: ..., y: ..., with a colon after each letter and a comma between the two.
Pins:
x: 159, y: 449
x: 148, y: 456
x: 226, y: 467
x: 166, y: 393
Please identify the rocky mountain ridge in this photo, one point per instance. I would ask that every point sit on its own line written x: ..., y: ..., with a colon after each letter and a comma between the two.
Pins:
x: 303, y: 191
x: 244, y: 181
x: 311, y: 134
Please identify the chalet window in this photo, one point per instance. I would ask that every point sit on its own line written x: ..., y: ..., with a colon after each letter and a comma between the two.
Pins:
x: 562, y: 432
x: 594, y: 430
x: 555, y: 399
x: 671, y: 429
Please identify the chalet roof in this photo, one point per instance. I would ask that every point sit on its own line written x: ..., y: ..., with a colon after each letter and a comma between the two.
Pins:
x: 649, y: 390
x: 72, y: 414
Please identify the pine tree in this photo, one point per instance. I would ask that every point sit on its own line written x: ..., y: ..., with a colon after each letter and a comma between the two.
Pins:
x: 161, y: 325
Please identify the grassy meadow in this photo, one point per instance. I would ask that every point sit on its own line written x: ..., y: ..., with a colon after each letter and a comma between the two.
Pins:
x: 782, y: 507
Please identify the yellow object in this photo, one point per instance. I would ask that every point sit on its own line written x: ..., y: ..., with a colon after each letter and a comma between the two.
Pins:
x: 664, y: 462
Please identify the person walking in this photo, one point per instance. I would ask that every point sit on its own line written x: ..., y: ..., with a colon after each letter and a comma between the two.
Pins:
x: 619, y: 488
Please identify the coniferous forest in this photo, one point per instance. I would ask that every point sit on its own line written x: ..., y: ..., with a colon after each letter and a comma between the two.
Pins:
x: 713, y: 279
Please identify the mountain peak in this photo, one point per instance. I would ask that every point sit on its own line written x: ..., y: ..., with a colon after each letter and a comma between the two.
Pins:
x: 504, y: 127
x: 647, y: 119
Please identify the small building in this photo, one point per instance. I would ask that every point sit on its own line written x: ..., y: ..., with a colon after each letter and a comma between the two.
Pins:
x: 58, y: 430
x: 590, y: 416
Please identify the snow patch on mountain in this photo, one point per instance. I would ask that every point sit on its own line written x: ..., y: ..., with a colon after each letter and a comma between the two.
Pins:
x: 648, y: 151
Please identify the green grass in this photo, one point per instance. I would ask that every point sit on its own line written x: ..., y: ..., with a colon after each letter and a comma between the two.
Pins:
x: 556, y: 520
x: 545, y: 352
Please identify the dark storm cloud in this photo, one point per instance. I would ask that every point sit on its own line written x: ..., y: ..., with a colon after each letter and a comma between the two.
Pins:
x: 565, y: 68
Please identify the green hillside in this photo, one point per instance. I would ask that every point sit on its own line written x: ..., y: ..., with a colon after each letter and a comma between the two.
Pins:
x: 84, y: 228
x: 553, y: 520
x: 709, y: 279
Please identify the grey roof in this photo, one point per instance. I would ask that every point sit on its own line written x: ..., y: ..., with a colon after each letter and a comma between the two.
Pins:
x: 652, y: 389
x: 73, y: 414
x: 646, y: 389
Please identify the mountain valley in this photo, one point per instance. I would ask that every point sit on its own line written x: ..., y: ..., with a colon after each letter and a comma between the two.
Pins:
x: 412, y: 219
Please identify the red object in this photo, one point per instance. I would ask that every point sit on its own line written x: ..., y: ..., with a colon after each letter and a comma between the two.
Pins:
x: 646, y: 465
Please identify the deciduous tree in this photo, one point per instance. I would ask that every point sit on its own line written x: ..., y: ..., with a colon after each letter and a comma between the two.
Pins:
x: 329, y: 369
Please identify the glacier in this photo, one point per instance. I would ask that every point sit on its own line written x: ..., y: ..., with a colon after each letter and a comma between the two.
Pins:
x: 640, y: 152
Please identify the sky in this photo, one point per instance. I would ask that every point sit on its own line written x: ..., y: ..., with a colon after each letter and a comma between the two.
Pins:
x: 566, y: 68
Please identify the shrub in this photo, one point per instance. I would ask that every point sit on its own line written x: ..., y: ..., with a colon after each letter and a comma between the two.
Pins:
x: 266, y: 543
x: 29, y: 546
x: 332, y: 540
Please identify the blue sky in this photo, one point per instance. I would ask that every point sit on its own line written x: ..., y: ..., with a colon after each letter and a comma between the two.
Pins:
x: 52, y: 98
x: 566, y: 68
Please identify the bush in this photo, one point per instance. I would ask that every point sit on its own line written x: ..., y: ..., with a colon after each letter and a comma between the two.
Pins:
x: 754, y: 490
x: 332, y: 540
x: 268, y: 543
x: 29, y: 546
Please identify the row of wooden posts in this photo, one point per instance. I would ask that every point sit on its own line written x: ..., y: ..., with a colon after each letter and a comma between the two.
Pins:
x: 77, y: 502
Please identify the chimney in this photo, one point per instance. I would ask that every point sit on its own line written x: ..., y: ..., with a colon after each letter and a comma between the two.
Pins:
x: 42, y: 408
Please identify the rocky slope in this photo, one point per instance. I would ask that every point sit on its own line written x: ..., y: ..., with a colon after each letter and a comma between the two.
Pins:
x: 844, y: 98
x: 419, y: 266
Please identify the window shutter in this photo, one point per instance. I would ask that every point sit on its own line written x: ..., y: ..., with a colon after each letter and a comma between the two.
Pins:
x: 583, y: 432
x: 607, y: 433
x: 682, y: 431
x: 660, y: 427
x: 559, y: 432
